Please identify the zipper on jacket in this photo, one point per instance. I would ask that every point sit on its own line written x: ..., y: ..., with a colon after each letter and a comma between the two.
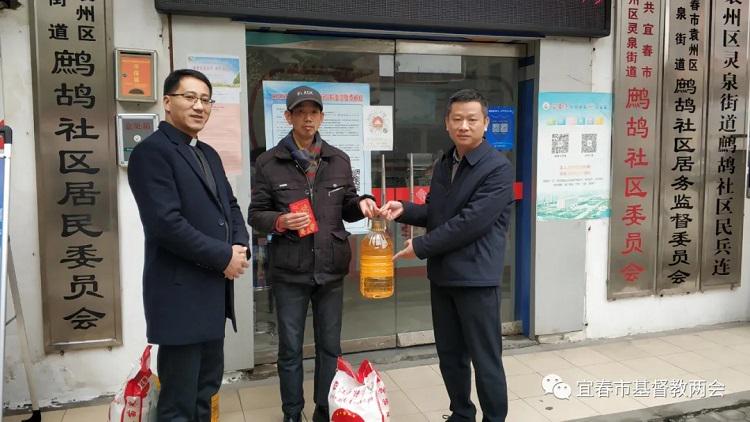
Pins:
x: 310, y: 186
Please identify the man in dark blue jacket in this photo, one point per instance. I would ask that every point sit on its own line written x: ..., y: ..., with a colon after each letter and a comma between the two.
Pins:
x: 466, y: 216
x: 196, y: 244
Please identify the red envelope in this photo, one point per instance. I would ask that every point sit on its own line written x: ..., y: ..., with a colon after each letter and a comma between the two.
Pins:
x: 303, y: 205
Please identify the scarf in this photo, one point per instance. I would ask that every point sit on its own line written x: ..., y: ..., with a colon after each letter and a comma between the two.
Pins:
x: 307, y: 159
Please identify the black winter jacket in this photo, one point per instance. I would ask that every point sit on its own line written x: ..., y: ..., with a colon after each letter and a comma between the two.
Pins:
x: 321, y: 257
x: 466, y: 220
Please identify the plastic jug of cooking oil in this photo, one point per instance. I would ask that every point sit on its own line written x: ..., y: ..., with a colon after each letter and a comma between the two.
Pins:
x: 376, y: 262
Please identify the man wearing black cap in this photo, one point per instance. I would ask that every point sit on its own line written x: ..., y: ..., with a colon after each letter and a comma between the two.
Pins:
x: 309, y: 251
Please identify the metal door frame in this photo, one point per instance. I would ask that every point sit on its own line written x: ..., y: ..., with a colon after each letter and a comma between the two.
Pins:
x: 398, y: 46
x: 507, y: 50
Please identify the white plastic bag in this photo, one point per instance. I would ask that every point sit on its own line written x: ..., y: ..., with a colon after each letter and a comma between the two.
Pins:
x: 136, y: 400
x: 358, y: 397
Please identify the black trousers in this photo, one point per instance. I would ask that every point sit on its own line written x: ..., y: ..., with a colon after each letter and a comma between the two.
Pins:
x: 190, y: 376
x: 292, y: 301
x: 466, y: 321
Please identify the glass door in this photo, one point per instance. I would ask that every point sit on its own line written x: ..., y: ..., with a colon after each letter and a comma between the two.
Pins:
x: 416, y: 79
x: 426, y: 74
x: 367, y: 324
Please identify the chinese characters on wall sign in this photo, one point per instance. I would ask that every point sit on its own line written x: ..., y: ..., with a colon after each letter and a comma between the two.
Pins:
x: 76, y: 175
x: 635, y: 153
x: 725, y: 153
x: 683, y: 94
x: 687, y: 147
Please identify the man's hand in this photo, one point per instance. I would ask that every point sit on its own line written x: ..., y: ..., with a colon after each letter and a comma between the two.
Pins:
x: 407, y: 252
x: 238, y: 263
x: 294, y: 220
x: 369, y: 208
x: 392, y: 210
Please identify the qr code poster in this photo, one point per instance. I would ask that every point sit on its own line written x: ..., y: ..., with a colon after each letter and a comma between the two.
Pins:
x: 573, y: 161
x: 588, y: 143
x: 356, y: 174
x: 560, y: 143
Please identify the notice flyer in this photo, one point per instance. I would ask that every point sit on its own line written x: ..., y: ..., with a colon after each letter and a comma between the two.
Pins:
x: 378, y: 128
x: 223, y: 131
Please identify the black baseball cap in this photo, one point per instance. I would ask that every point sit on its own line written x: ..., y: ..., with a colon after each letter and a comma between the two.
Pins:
x: 301, y: 94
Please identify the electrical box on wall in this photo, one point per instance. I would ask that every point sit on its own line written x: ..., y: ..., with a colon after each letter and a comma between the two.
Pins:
x: 132, y: 129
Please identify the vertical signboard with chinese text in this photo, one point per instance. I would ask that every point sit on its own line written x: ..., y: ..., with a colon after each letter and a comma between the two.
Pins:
x: 635, y: 153
x: 683, y: 98
x: 73, y: 92
x: 725, y: 154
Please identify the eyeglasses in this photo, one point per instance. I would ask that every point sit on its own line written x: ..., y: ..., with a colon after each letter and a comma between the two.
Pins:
x: 193, y: 98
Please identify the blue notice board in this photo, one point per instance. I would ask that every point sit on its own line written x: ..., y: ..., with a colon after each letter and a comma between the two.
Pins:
x: 501, y: 132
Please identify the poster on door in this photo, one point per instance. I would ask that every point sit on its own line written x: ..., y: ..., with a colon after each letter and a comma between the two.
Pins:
x: 501, y: 130
x: 343, y: 107
x: 378, y: 128
x: 574, y: 155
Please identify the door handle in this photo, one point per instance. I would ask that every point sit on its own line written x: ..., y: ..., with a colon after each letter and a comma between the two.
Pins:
x: 517, y: 191
x: 383, y: 195
x: 411, y: 188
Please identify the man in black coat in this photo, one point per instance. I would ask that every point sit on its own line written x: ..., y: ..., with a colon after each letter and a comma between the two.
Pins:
x: 466, y: 216
x: 196, y: 245
x: 306, y: 268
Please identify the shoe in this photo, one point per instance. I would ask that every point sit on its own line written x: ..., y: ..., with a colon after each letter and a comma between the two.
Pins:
x: 320, y: 414
x: 294, y: 418
x: 450, y: 418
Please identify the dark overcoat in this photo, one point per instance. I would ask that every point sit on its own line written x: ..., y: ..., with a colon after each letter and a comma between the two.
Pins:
x: 189, y: 232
